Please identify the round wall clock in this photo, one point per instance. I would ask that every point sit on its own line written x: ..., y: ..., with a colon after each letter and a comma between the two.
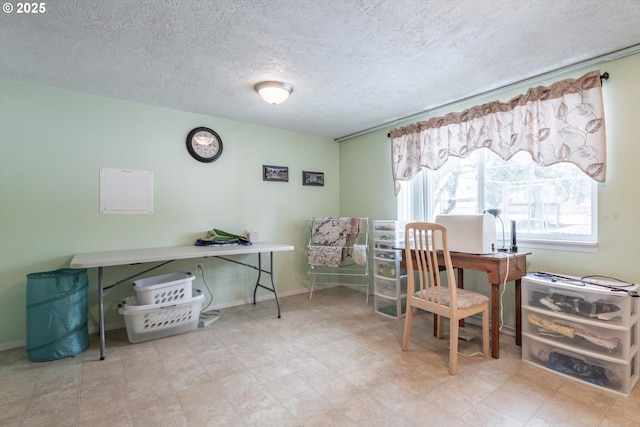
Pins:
x: 204, y: 145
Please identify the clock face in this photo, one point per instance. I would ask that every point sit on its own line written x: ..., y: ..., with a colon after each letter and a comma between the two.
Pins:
x: 204, y: 144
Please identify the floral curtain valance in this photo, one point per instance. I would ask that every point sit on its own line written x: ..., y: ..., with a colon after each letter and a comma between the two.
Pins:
x: 560, y: 123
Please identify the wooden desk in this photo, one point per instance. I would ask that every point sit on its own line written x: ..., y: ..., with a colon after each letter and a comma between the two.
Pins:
x: 164, y: 256
x: 497, y: 265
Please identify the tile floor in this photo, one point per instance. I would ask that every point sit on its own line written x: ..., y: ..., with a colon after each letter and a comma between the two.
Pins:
x: 329, y: 361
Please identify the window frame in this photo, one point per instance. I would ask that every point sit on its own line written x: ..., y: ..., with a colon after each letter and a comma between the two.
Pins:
x: 573, y: 243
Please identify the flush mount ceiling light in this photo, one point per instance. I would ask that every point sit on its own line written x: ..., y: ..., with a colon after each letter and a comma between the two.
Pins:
x: 274, y: 92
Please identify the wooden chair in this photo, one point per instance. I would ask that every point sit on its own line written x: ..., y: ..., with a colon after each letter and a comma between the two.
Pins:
x: 425, y: 243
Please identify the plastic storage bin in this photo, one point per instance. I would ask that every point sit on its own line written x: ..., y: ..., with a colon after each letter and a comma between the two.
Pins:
x: 385, y: 288
x: 390, y: 287
x: 603, y: 306
x: 171, y: 287
x: 614, y: 342
x: 385, y: 254
x: 582, y: 332
x: 385, y: 269
x: 390, y: 307
x: 605, y: 374
x: 389, y: 278
x: 145, y: 322
x: 57, y: 314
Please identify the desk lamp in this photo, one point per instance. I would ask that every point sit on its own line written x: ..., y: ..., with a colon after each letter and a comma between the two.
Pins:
x: 496, y: 213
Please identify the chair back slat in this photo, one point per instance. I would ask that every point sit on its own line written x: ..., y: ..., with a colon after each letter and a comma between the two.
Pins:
x: 424, y: 243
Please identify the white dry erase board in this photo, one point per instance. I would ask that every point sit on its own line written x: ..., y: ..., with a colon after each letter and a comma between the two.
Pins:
x: 124, y: 191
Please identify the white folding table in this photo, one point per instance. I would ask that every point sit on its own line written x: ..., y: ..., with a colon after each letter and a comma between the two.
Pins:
x: 163, y: 256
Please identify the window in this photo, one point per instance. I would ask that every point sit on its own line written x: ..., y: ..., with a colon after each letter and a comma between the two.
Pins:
x: 553, y: 206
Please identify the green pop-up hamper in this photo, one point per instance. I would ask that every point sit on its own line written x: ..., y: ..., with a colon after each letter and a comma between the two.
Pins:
x: 57, y: 303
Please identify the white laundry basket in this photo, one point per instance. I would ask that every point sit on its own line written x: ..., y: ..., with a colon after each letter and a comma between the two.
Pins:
x: 171, y: 287
x: 145, y: 322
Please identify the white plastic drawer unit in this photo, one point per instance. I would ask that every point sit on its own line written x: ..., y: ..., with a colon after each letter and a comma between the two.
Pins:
x: 386, y: 254
x: 605, y: 374
x: 580, y: 302
x: 391, y: 227
x: 390, y: 307
x: 384, y: 244
x: 385, y: 225
x: 610, y: 342
x: 386, y: 236
x: 390, y: 287
x: 389, y: 269
x: 387, y: 240
x: 388, y: 232
x: 586, y: 333
x: 389, y: 278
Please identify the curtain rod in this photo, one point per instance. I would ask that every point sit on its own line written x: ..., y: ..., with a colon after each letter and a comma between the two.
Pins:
x: 603, y: 76
x: 611, y: 56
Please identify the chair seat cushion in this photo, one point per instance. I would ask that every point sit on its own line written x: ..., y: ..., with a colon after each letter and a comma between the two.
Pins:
x: 466, y: 298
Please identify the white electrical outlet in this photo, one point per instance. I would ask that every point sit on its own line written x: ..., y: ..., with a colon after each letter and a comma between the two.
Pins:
x: 199, y: 268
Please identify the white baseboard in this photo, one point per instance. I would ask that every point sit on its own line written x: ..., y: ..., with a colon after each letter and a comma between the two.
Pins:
x: 13, y: 344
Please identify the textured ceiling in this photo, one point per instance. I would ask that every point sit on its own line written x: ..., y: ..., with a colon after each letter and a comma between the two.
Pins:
x: 354, y: 64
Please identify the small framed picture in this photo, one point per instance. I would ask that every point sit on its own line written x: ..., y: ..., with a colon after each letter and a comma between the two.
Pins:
x: 313, y: 178
x: 275, y: 173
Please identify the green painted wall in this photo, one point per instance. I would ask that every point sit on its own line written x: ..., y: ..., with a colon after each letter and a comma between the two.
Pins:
x: 53, y: 142
x: 52, y: 145
x: 365, y: 172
